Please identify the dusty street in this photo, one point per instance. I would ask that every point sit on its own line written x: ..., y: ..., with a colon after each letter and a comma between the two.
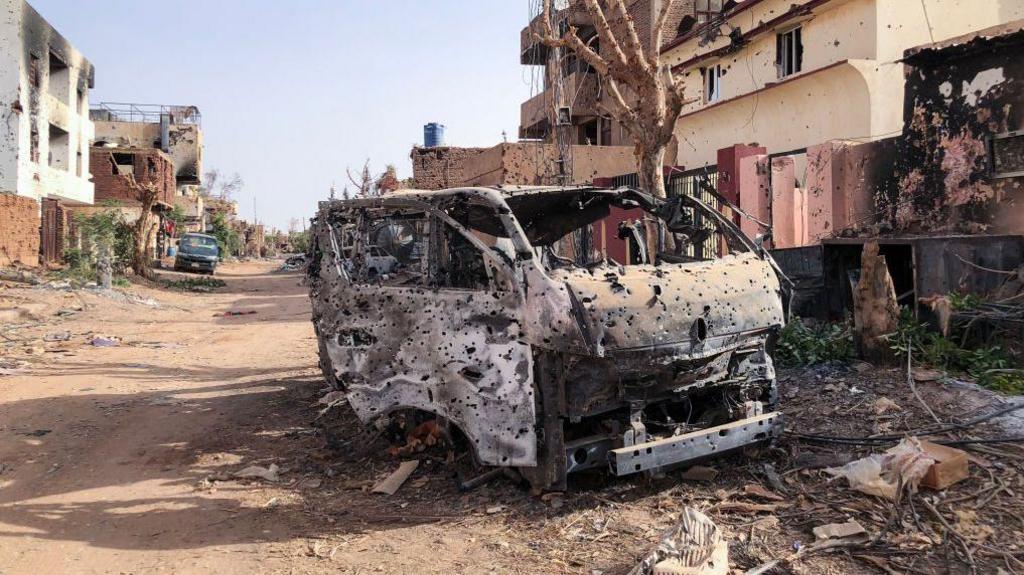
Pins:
x: 121, y: 459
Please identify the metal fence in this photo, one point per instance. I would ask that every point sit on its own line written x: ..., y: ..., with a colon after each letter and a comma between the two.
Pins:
x: 693, y: 183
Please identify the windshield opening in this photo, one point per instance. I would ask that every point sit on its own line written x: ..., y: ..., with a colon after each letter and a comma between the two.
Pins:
x: 623, y: 227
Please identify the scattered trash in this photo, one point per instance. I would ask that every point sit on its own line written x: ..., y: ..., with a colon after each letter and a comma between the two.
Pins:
x: 271, y: 473
x: 884, y: 474
x: 393, y: 482
x: 309, y: 483
x: 39, y: 432
x: 694, y: 546
x: 699, y: 473
x: 104, y: 342
x: 60, y: 336
x: 838, y: 530
x: 234, y: 313
x: 950, y: 466
x: 274, y: 502
x: 494, y: 509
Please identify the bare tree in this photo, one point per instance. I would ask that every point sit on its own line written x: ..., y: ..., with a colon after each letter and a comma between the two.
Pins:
x: 645, y: 97
x: 364, y: 184
x: 147, y: 194
x: 223, y: 187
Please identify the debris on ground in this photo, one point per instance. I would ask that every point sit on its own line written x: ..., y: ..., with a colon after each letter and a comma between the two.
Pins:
x: 393, y: 482
x: 950, y: 466
x: 695, y: 546
x: 102, y: 341
x: 234, y: 313
x: 885, y: 475
x: 272, y: 473
x: 294, y: 263
x: 838, y: 530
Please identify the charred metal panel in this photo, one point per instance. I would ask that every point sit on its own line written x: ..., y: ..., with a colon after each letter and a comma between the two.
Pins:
x: 705, y: 305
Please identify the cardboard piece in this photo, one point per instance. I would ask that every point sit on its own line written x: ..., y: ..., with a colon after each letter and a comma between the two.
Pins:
x: 391, y: 484
x: 950, y: 466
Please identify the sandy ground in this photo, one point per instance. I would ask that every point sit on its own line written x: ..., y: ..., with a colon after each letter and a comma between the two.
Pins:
x: 120, y: 460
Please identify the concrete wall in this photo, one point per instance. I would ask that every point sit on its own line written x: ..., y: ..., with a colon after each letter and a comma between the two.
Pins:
x: 851, y: 83
x: 19, y: 230
x: 958, y: 97
x: 523, y: 163
x: 44, y: 87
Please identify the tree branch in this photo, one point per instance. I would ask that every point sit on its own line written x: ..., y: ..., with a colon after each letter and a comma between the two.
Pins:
x: 659, y: 29
x: 617, y: 60
x: 628, y: 30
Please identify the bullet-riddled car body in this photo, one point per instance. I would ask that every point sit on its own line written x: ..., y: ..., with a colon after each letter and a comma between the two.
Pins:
x: 502, y: 317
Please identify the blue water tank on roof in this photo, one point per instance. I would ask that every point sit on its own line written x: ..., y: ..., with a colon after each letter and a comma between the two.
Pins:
x: 433, y: 135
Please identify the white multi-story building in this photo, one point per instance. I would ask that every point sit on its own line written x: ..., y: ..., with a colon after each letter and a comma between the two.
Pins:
x: 45, y: 131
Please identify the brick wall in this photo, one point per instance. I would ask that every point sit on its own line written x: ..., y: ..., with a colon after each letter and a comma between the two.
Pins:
x: 440, y: 168
x: 149, y: 165
x: 19, y: 230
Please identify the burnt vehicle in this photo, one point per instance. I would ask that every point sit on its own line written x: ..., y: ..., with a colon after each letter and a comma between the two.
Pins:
x: 503, y: 318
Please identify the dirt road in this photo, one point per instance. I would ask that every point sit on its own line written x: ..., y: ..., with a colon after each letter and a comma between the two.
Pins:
x: 121, y: 459
x: 103, y: 449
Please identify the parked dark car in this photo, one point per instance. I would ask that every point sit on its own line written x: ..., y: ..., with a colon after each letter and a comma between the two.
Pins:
x: 197, y: 253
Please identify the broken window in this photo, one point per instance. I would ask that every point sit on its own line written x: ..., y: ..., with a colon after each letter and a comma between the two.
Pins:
x: 789, y: 52
x: 1007, y: 152
x: 59, y: 154
x: 712, y: 83
x: 33, y: 142
x: 588, y: 133
x: 33, y: 70
x: 122, y: 164
x: 59, y: 83
x: 706, y: 10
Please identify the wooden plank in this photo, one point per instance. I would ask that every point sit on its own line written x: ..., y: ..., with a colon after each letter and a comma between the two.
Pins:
x: 393, y: 482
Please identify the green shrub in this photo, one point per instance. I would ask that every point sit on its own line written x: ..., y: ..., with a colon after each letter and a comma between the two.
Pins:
x: 801, y: 344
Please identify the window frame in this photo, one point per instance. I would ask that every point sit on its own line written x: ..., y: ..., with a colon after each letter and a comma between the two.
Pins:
x: 712, y: 83
x: 789, y: 51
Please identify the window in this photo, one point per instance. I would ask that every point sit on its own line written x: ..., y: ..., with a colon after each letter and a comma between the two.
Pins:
x: 122, y: 164
x: 789, y: 52
x: 706, y: 10
x: 33, y: 70
x: 59, y: 84
x: 712, y: 83
x: 1007, y: 153
x: 33, y: 154
x: 606, y: 131
x: 58, y: 157
x: 587, y: 133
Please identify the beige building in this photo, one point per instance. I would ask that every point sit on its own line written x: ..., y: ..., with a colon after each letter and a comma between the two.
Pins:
x: 789, y: 74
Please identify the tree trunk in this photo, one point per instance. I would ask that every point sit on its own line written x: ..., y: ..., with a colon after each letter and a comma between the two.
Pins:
x: 650, y: 158
x: 140, y: 241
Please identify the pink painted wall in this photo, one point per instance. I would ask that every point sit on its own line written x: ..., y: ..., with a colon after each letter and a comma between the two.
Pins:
x: 755, y: 194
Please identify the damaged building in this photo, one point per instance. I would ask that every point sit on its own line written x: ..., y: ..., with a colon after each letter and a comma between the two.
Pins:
x: 44, y: 152
x: 174, y: 130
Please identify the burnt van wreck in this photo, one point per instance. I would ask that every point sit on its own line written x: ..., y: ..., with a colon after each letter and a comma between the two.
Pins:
x: 491, y: 310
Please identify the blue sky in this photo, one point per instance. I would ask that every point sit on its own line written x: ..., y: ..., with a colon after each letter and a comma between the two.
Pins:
x: 293, y: 92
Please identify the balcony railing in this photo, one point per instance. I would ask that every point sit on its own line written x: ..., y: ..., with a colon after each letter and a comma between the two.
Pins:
x: 144, y: 113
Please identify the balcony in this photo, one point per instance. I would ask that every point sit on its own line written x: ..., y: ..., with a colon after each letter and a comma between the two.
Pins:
x: 534, y: 53
x: 583, y: 92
